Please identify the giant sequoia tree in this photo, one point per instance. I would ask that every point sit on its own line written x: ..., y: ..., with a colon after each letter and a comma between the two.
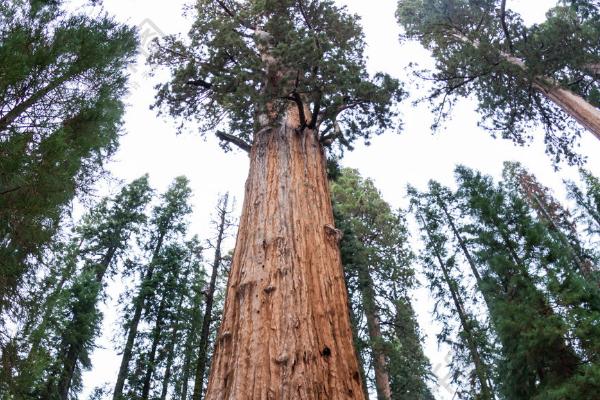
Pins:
x: 545, y: 74
x: 60, y: 112
x: 280, y: 79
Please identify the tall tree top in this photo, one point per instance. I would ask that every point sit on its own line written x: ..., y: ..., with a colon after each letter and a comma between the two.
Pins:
x: 245, y: 62
x: 483, y: 49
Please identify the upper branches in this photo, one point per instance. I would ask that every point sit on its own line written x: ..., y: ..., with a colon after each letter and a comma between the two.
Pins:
x: 244, y: 63
x: 486, y: 51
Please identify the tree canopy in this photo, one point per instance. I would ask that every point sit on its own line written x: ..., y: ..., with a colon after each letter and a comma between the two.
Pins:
x: 522, y: 76
x: 244, y: 62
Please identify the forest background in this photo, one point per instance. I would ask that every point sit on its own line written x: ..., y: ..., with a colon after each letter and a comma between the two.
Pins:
x: 151, y: 146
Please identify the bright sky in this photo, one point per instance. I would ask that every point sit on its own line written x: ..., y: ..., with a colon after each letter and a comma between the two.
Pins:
x: 392, y: 161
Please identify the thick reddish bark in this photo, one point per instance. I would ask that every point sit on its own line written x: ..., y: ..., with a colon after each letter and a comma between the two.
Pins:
x: 286, y: 330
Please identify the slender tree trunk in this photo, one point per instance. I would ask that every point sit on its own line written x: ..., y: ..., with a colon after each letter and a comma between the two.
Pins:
x: 173, y: 337
x: 188, y: 347
x: 382, y: 379
x: 480, y: 367
x: 581, y: 201
x: 38, y: 333
x: 71, y: 350
x: 210, y: 295
x: 460, y: 240
x: 156, y: 336
x: 139, y: 302
x: 286, y: 331
x: 169, y: 364
x: 20, y: 108
x: 530, y: 188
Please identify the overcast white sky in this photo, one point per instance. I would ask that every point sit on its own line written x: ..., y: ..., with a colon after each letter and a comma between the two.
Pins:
x: 392, y: 161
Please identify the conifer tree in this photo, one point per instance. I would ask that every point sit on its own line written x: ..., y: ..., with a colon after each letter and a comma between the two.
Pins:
x: 473, y: 355
x: 538, y: 359
x: 105, y: 235
x: 60, y: 117
x: 193, y: 316
x: 587, y: 202
x: 377, y: 262
x: 166, y: 223
x: 568, y: 268
x: 280, y: 79
x: 173, y: 352
x: 521, y: 75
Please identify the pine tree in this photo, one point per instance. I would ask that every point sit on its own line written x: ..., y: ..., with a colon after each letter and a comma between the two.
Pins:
x: 538, y: 359
x: 280, y: 79
x: 60, y: 116
x: 521, y: 76
x: 105, y: 235
x: 166, y: 223
x: 472, y: 363
x: 377, y: 263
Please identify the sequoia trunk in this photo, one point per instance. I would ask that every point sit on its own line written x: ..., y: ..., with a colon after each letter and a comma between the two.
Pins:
x: 576, y: 106
x: 286, y: 331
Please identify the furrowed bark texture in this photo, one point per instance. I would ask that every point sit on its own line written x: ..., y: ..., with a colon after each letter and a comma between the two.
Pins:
x: 286, y: 330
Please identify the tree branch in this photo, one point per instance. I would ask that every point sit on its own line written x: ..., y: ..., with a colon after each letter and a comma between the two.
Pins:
x: 316, y: 110
x: 504, y: 26
x: 10, y: 190
x: 295, y: 97
x: 229, y: 12
x: 200, y: 83
x: 306, y: 21
x: 242, y: 144
x: 336, y: 134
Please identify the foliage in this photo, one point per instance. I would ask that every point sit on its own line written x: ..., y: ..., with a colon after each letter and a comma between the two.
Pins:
x: 377, y: 264
x: 245, y: 62
x: 60, y: 117
x: 484, y: 50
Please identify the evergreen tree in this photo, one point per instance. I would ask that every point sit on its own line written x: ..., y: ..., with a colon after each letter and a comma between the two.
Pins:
x: 105, y: 235
x: 60, y: 116
x: 193, y: 315
x: 538, y: 359
x: 587, y: 202
x: 521, y: 75
x: 377, y: 263
x: 56, y: 329
x: 173, y: 351
x: 571, y: 277
x: 279, y: 79
x: 167, y: 223
x: 473, y: 352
